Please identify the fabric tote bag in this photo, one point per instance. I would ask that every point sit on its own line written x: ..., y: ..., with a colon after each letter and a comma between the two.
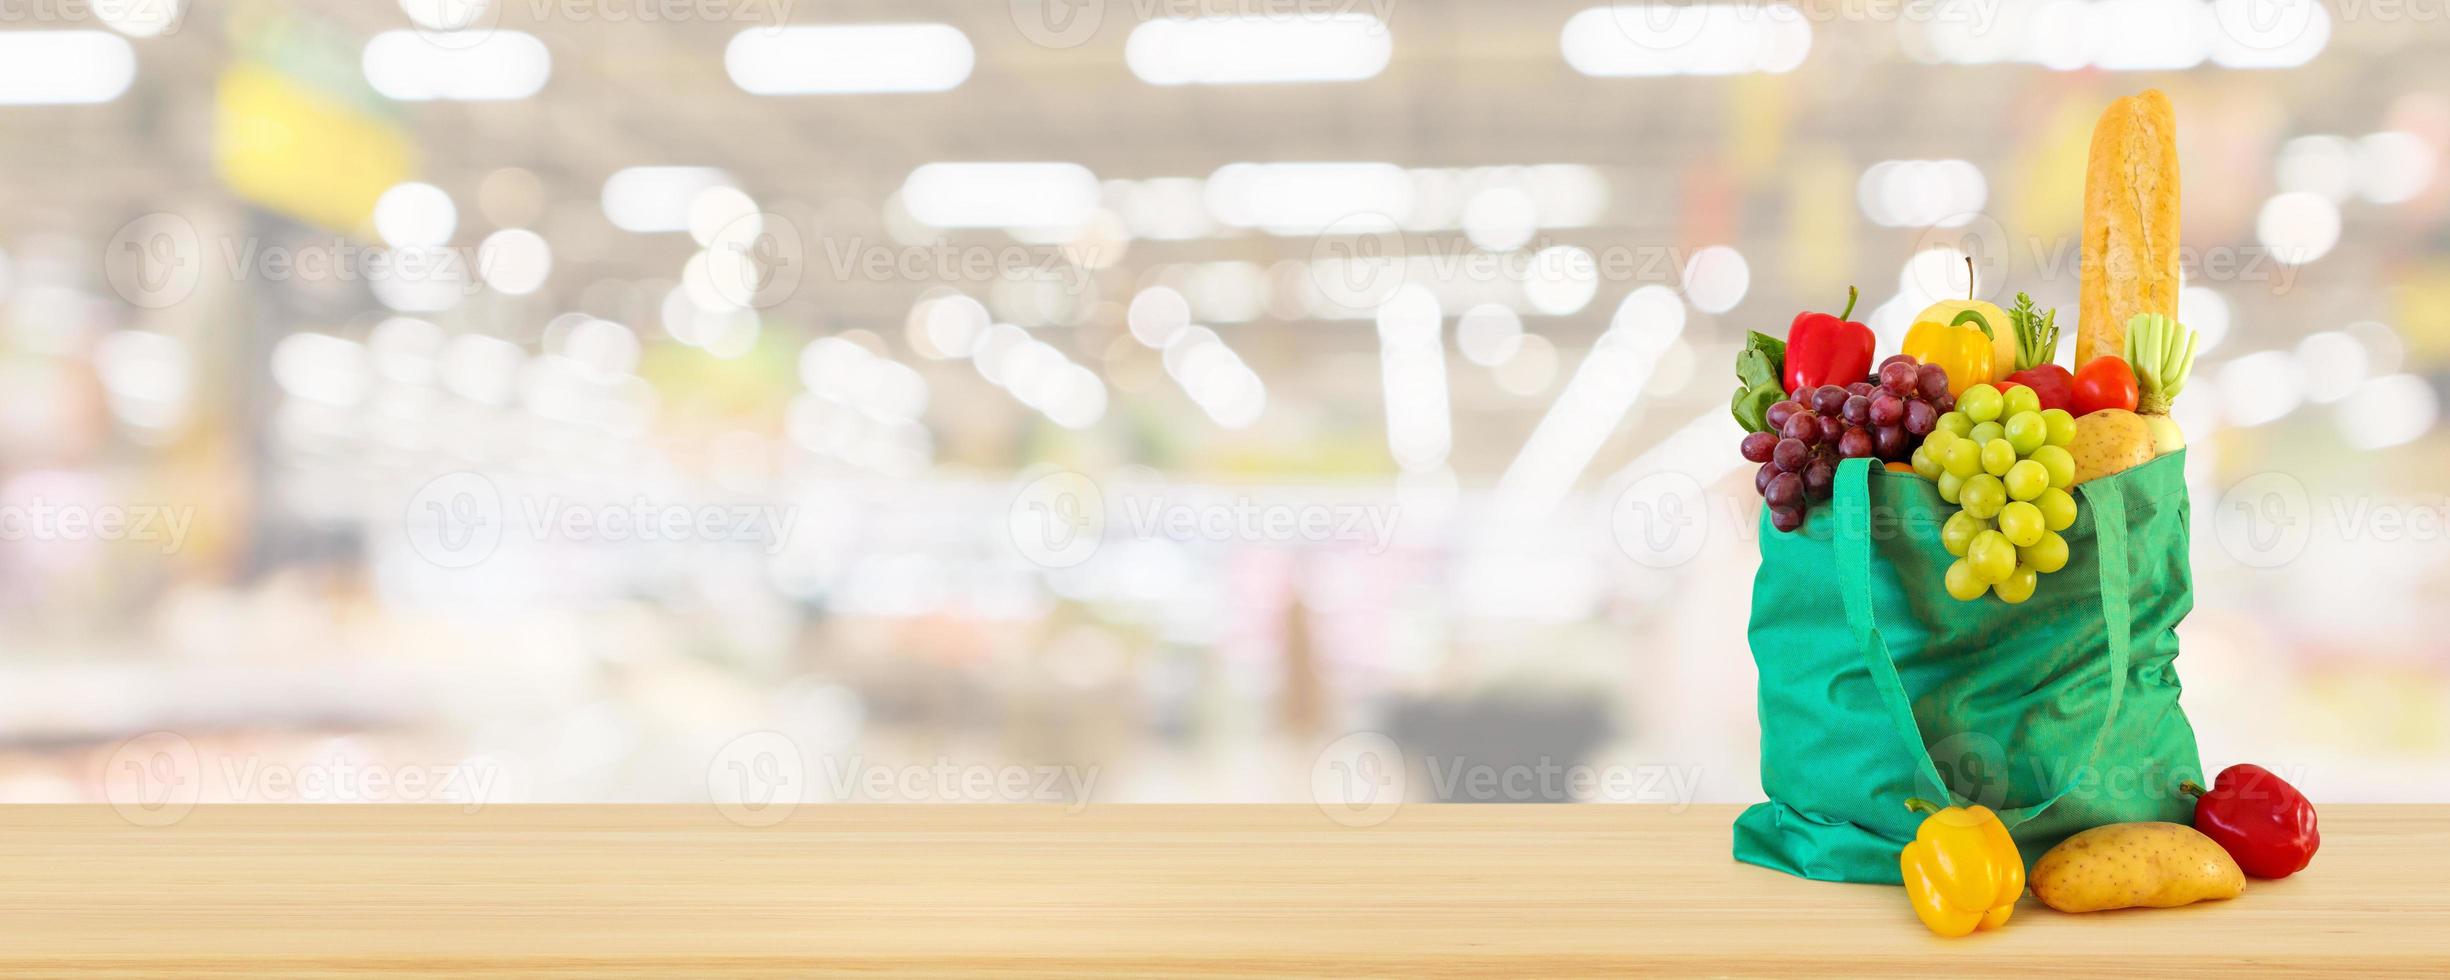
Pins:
x: 1876, y: 686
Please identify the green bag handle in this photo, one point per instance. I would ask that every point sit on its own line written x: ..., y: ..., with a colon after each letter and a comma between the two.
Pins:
x: 1854, y: 557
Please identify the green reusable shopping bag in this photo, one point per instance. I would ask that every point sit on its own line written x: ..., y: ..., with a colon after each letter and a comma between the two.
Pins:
x: 1876, y: 686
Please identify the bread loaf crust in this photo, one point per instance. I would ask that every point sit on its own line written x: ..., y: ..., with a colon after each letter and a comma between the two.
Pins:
x: 2130, y: 260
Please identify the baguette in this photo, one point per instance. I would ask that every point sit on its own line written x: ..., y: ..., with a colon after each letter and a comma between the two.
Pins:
x: 2130, y: 261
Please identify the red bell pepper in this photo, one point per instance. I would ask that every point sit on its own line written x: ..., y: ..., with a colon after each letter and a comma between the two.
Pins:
x: 2051, y: 383
x: 1827, y: 350
x: 2258, y: 818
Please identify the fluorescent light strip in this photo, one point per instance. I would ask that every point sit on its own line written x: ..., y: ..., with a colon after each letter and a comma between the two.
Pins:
x: 2131, y: 35
x: 1660, y: 38
x: 64, y: 67
x: 1301, y: 198
x: 1036, y: 374
x: 1258, y: 50
x: 1001, y: 195
x: 847, y: 59
x: 1412, y: 366
x: 1603, y: 388
x: 1304, y: 198
x: 1215, y: 378
x: 1697, y: 449
x: 1922, y: 193
x: 412, y: 66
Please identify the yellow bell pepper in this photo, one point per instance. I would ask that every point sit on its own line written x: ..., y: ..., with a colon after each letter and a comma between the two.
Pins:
x: 1965, y: 352
x: 1962, y: 872
x: 2003, y: 339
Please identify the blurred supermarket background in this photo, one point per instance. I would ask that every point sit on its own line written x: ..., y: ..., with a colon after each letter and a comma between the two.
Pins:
x: 597, y: 400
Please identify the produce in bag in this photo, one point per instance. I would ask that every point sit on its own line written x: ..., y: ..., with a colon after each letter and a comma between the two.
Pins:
x: 1960, y: 339
x: 2037, y: 338
x: 2079, y: 680
x: 1757, y: 369
x: 1802, y: 439
x: 2110, y: 441
x: 2103, y: 384
x: 2004, y: 349
x: 2003, y: 460
x: 1826, y: 350
x: 2162, y: 352
x: 2129, y: 264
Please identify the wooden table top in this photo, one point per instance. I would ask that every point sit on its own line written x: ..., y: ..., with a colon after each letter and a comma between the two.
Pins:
x: 1212, y: 890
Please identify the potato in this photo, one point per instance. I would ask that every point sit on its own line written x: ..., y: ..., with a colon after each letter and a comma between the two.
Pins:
x: 2109, y: 441
x: 2135, y: 865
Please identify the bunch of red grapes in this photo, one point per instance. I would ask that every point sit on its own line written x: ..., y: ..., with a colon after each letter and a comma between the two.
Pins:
x: 1883, y: 417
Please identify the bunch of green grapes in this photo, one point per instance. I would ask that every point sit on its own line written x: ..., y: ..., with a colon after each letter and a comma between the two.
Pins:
x: 2003, y: 460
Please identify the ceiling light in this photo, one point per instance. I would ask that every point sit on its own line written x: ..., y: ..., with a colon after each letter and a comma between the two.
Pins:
x: 407, y: 66
x: 1253, y: 50
x: 1412, y: 370
x: 1489, y: 334
x: 1001, y: 195
x: 414, y: 214
x: 653, y: 199
x: 1301, y: 198
x: 1604, y: 387
x: 1716, y: 278
x: 514, y: 261
x: 1650, y: 39
x: 841, y: 59
x: 2298, y: 227
x: 64, y: 67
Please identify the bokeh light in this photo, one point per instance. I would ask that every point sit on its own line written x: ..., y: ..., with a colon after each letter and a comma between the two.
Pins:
x: 1170, y: 390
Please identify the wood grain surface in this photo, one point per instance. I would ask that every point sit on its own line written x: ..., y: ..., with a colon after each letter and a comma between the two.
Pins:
x: 532, y: 891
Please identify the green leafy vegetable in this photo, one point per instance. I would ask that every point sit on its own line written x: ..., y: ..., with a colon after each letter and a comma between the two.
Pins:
x: 2037, y: 333
x: 1758, y: 367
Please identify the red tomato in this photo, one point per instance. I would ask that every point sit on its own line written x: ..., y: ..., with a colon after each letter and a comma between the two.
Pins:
x: 2105, y: 382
